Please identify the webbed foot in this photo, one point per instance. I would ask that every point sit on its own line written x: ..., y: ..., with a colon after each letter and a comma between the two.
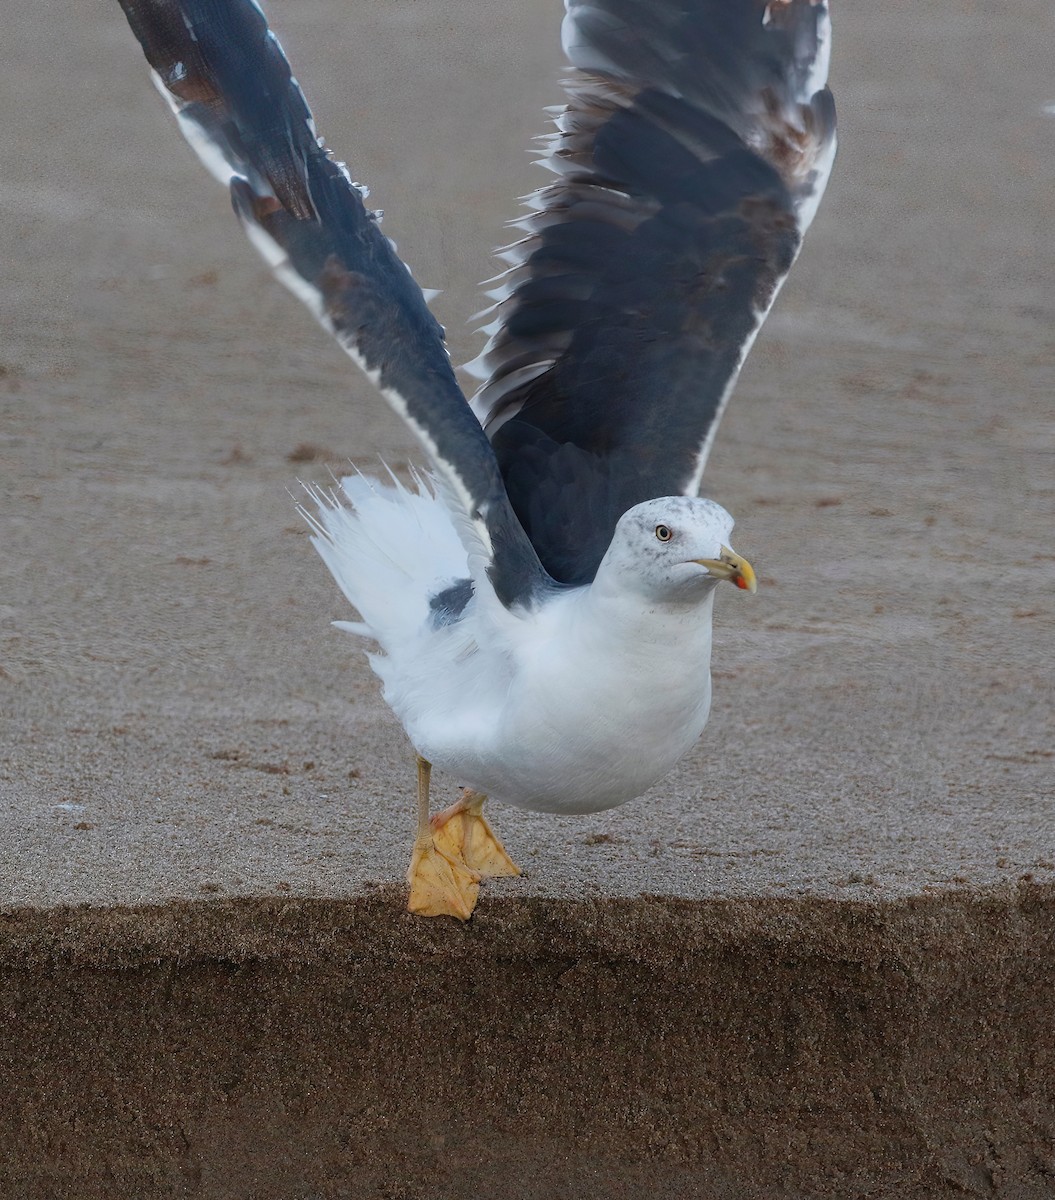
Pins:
x: 462, y: 832
x: 440, y: 885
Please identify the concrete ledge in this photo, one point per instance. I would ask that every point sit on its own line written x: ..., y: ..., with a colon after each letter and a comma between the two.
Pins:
x: 619, y: 1048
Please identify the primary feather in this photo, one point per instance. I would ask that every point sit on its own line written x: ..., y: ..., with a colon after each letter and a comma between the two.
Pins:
x: 691, y: 155
x: 240, y: 107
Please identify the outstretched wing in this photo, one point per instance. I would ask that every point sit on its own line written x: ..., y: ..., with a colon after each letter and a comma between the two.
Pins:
x: 693, y: 151
x: 230, y: 86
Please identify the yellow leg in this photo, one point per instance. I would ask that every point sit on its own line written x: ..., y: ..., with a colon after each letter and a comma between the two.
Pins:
x: 441, y: 885
x: 462, y: 832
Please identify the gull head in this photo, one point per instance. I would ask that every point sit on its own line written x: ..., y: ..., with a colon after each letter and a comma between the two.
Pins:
x: 674, y: 550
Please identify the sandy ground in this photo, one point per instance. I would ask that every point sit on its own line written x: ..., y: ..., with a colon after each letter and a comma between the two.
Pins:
x: 789, y: 1049
x: 178, y: 719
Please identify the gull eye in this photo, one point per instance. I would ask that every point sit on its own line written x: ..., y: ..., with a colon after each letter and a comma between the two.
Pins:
x: 664, y: 533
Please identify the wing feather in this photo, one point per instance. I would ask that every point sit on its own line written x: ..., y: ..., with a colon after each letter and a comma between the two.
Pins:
x: 689, y: 160
x: 230, y: 86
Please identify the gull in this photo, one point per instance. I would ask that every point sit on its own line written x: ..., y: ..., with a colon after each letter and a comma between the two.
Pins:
x: 539, y: 598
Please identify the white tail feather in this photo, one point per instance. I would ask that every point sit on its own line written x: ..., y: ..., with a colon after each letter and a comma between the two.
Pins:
x: 389, y: 548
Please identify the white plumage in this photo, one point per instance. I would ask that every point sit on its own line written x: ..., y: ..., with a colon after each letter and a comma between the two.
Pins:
x: 543, y: 619
x: 576, y: 705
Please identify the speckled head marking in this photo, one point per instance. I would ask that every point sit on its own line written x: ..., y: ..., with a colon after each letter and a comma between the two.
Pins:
x: 667, y: 549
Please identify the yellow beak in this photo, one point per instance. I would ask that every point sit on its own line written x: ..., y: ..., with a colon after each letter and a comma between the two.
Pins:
x: 732, y: 567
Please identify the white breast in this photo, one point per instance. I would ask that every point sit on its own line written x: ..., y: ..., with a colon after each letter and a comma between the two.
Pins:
x: 601, y: 698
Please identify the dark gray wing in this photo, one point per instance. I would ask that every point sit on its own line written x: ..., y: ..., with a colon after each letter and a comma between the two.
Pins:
x: 693, y: 151
x: 230, y: 86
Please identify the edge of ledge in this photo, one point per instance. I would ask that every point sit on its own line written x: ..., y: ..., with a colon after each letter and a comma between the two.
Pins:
x: 654, y: 930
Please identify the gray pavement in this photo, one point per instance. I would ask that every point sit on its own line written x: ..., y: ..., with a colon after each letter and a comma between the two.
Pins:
x: 176, y: 718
